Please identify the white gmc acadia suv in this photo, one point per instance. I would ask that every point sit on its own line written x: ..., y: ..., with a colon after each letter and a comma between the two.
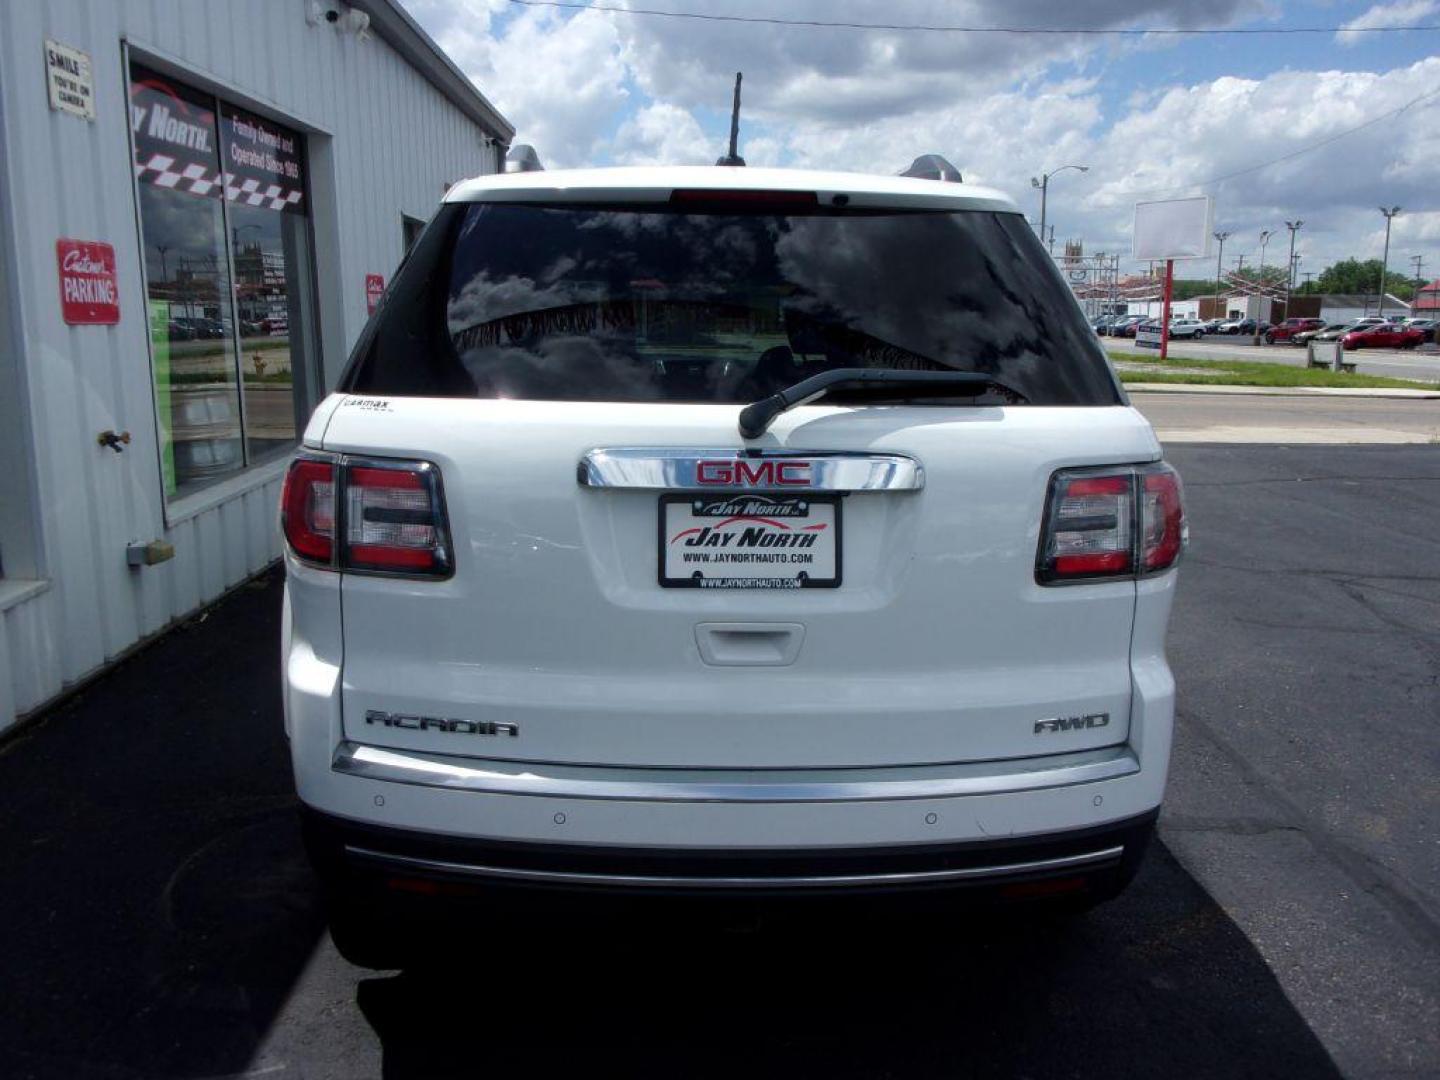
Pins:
x: 722, y: 532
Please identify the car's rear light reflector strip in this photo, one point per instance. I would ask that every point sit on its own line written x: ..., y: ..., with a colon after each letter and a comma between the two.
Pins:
x: 392, y: 517
x: 1110, y: 523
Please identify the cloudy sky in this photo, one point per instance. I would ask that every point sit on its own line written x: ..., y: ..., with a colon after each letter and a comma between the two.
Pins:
x: 1152, y: 115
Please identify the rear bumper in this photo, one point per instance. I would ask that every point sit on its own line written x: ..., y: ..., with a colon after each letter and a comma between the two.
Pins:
x: 360, y: 858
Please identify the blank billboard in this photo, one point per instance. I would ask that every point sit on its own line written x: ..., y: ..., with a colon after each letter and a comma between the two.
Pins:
x: 1173, y: 228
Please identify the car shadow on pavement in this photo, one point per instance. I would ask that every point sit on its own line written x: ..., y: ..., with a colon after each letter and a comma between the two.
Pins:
x: 157, y: 912
x: 155, y: 905
x: 1158, y: 983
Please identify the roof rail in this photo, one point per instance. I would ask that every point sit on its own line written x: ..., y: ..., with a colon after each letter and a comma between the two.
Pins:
x: 523, y: 158
x: 933, y: 167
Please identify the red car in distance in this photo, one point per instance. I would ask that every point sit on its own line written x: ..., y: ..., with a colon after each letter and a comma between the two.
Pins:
x: 1290, y: 327
x: 1383, y: 336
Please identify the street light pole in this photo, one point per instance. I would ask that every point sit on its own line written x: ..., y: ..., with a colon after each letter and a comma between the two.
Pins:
x: 1385, y: 261
x: 1043, y: 183
x: 1260, y: 283
x: 1294, y: 227
x: 1219, y: 256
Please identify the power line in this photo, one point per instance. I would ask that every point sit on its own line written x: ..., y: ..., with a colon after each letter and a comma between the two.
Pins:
x: 1091, y: 31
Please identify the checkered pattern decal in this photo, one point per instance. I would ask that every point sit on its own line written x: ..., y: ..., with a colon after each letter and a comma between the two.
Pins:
x: 162, y: 170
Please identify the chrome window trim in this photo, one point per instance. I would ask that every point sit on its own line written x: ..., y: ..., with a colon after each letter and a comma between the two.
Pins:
x: 663, y: 468
x: 1087, y: 860
x: 630, y: 784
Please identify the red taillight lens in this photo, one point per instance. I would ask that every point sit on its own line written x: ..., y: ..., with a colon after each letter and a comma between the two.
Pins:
x: 307, y: 505
x: 392, y: 515
x: 1096, y: 527
x: 1089, y: 526
x: 1162, y: 518
x: 394, y: 519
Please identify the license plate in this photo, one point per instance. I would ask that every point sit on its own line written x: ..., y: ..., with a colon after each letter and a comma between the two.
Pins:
x: 740, y: 541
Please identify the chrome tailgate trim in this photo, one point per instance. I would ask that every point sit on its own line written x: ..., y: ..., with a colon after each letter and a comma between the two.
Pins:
x: 498, y: 777
x: 678, y: 468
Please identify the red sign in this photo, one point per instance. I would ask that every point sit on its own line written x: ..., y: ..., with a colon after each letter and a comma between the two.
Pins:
x: 89, y: 295
x: 374, y: 289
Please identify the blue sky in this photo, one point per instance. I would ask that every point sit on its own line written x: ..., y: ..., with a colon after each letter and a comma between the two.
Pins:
x: 1146, y: 114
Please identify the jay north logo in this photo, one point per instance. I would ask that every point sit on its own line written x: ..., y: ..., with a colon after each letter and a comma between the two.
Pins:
x: 1072, y: 723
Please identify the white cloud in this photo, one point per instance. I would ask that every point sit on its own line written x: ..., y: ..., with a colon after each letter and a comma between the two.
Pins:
x: 663, y: 134
x: 594, y: 88
x: 1403, y: 13
x: 560, y: 81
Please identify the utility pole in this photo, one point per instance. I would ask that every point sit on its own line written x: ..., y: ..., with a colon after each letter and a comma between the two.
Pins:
x: 1294, y: 227
x: 1043, y: 183
x: 1419, y: 261
x: 1385, y: 260
x: 1219, y: 262
x: 1307, y: 276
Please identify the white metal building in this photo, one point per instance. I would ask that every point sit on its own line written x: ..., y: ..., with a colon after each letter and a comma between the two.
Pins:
x: 198, y: 201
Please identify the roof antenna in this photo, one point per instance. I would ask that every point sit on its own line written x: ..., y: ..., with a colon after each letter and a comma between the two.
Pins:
x: 734, y: 158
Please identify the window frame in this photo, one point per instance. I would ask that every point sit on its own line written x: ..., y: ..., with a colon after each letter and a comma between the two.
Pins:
x: 255, y: 470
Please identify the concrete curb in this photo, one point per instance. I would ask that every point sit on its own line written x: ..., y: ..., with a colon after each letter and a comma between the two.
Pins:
x: 1281, y: 391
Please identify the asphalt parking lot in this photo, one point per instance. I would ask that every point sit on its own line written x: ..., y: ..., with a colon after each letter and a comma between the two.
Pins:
x: 159, y: 919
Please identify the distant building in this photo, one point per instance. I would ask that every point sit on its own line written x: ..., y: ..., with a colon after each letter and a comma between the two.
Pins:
x: 1427, y: 299
x: 200, y: 204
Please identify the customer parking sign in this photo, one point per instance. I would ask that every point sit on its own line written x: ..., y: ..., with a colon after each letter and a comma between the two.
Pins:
x: 89, y: 295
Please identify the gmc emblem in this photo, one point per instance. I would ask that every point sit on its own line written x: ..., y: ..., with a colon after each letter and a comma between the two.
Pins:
x: 759, y: 474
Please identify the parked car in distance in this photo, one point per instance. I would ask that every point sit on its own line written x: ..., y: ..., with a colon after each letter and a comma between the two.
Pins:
x: 1425, y: 326
x: 1126, y: 326
x: 1336, y: 331
x: 203, y: 328
x: 634, y: 627
x: 178, y: 331
x: 1303, y: 337
x: 1187, y: 328
x: 1290, y: 327
x: 1212, y: 326
x: 1383, y: 336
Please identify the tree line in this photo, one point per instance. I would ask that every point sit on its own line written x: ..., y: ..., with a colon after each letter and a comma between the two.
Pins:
x: 1357, y: 277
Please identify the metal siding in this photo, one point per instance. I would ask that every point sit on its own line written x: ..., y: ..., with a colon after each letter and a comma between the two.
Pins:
x: 396, y: 141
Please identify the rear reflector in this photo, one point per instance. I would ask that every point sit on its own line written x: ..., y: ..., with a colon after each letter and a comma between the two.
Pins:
x: 393, y: 519
x: 1110, y: 523
x: 307, y: 509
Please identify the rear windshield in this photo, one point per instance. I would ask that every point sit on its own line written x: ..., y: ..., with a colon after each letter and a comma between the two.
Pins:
x: 588, y: 303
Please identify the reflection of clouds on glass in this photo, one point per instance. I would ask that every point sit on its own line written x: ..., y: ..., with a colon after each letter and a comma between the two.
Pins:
x: 549, y: 369
x: 187, y: 227
x: 875, y: 280
x: 482, y: 300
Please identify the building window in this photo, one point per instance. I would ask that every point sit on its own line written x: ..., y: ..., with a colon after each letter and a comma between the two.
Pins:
x: 224, y: 221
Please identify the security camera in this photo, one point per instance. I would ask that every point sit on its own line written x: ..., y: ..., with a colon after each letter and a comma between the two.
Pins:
x: 332, y: 16
x: 357, y: 23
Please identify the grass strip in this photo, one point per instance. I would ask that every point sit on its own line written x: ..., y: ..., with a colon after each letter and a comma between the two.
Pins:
x: 1250, y: 373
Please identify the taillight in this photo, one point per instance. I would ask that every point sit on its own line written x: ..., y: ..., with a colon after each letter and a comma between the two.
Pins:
x: 394, y: 519
x: 391, y: 515
x: 1162, y: 517
x: 1110, y: 523
x: 307, y: 509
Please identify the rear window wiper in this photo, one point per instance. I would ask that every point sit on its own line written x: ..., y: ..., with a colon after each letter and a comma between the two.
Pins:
x: 756, y: 417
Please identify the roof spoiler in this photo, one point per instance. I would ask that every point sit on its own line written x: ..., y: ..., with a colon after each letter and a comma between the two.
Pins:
x: 933, y: 167
x: 523, y: 158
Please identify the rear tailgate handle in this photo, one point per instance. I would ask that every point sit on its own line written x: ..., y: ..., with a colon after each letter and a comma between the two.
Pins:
x: 743, y: 644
